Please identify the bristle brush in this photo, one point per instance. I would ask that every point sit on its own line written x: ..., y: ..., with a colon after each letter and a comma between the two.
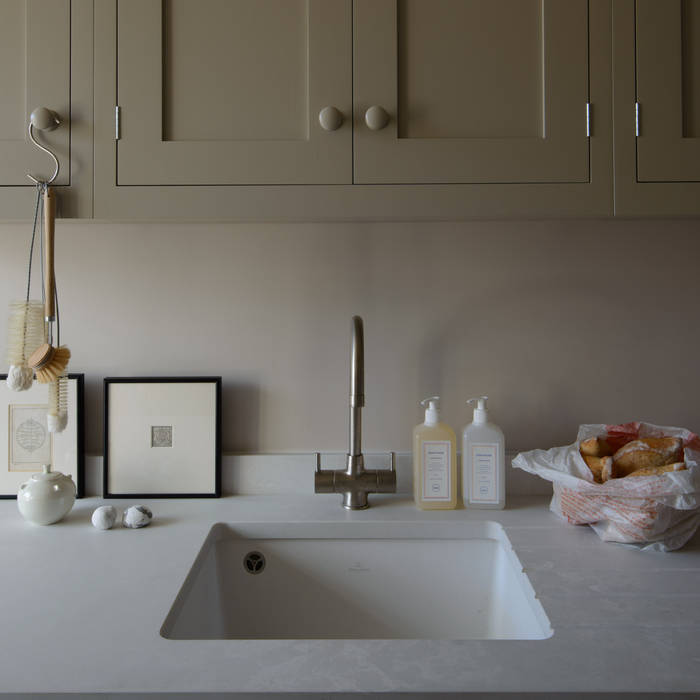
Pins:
x: 57, y: 414
x: 26, y: 328
x: 25, y: 333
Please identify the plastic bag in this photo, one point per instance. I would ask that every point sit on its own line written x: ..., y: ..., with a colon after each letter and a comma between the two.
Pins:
x: 659, y: 512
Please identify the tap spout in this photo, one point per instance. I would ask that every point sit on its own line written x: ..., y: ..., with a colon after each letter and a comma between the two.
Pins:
x: 357, y: 387
x: 355, y: 482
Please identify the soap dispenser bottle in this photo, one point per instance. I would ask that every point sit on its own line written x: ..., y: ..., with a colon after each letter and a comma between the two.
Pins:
x: 434, y: 461
x: 483, y: 461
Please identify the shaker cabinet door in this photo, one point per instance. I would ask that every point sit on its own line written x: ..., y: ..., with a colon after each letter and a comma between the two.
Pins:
x: 34, y: 72
x: 668, y: 90
x: 229, y: 92
x: 471, y: 91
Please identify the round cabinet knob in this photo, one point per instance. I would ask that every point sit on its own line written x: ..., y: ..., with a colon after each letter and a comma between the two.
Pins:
x: 44, y: 119
x: 330, y: 118
x: 376, y: 117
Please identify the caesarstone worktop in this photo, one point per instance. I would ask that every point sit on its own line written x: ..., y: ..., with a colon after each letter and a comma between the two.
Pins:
x: 81, y: 610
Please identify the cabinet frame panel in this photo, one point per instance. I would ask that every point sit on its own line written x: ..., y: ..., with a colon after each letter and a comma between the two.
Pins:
x: 75, y: 183
x: 559, y: 154
x: 664, y: 153
x: 632, y: 196
x: 145, y: 158
x: 47, y: 66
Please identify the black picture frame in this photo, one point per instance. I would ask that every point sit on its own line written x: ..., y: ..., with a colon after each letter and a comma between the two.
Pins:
x: 80, y: 436
x: 109, y: 381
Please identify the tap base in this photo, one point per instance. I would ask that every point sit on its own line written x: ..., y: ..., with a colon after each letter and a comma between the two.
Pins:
x: 355, y: 500
x: 355, y: 483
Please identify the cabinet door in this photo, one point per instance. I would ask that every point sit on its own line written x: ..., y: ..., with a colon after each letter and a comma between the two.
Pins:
x: 34, y: 72
x: 668, y: 90
x: 476, y: 91
x: 220, y: 92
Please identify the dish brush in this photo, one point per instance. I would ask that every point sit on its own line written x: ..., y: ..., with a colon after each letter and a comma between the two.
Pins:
x: 49, y: 361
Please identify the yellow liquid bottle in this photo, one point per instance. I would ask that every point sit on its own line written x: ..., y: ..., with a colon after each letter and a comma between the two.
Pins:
x: 434, y: 461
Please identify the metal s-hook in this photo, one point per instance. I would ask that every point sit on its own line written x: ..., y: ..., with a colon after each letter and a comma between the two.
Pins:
x: 45, y: 120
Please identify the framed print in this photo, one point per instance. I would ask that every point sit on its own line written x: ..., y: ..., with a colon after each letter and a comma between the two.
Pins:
x: 162, y: 437
x: 26, y: 443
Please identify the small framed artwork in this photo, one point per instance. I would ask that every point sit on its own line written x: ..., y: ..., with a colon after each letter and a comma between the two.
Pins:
x: 162, y: 437
x: 26, y: 443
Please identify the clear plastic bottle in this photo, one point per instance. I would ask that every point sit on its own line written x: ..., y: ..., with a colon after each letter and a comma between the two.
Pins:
x: 434, y: 461
x: 483, y: 461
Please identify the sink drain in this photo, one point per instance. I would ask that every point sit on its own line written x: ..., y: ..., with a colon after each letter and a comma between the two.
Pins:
x: 254, y: 562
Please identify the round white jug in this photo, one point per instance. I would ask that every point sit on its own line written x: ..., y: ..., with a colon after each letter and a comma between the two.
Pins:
x: 47, y: 497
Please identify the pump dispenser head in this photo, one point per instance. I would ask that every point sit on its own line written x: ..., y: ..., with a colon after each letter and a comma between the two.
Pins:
x: 432, y: 412
x: 480, y: 412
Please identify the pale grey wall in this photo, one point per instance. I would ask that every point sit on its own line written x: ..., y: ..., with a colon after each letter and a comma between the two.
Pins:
x: 560, y: 322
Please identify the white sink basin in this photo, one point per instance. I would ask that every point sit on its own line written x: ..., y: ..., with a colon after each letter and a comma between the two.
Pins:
x: 419, y: 580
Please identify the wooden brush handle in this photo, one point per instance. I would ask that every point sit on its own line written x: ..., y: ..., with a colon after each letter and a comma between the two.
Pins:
x: 49, y: 275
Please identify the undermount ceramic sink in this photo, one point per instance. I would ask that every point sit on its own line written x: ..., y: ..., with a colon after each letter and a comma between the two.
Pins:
x: 357, y: 581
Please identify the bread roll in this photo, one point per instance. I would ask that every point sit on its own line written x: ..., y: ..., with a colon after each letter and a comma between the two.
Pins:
x: 595, y: 447
x: 647, y: 452
x: 607, y: 472
x: 599, y: 466
x: 653, y: 471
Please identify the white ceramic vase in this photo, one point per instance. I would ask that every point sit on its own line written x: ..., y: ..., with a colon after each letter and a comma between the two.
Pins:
x: 47, y: 497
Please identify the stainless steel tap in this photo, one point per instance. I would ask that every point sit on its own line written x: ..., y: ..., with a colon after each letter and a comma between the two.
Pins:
x: 355, y: 482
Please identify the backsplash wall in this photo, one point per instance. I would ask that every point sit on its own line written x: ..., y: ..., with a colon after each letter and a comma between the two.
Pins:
x: 559, y: 322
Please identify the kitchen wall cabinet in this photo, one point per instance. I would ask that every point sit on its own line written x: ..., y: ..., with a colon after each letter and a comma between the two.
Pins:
x: 40, y: 66
x: 479, y: 108
x: 225, y: 92
x: 475, y: 91
x: 219, y: 102
x: 657, y: 107
x: 229, y: 92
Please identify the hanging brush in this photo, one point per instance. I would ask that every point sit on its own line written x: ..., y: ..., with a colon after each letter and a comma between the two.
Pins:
x: 57, y: 415
x: 49, y: 361
x: 25, y: 334
x: 26, y: 326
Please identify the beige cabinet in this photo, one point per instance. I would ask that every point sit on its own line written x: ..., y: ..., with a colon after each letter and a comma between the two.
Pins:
x: 34, y: 72
x: 40, y: 67
x: 354, y: 109
x: 657, y: 107
x: 668, y: 90
x: 473, y: 91
x: 476, y: 108
x: 229, y: 92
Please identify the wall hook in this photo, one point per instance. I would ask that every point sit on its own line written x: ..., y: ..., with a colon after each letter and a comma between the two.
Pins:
x: 45, y: 120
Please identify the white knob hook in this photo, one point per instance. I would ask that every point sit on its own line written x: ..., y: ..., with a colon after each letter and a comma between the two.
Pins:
x: 45, y: 120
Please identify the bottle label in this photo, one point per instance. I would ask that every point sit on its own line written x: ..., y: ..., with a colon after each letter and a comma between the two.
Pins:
x: 484, y: 476
x: 437, y: 458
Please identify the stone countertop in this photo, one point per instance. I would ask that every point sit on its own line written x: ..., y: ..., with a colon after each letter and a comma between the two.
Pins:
x: 81, y: 610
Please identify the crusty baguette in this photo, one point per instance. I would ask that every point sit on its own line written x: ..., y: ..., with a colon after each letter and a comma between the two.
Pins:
x: 647, y: 452
x: 595, y: 447
x: 599, y: 466
x: 653, y: 471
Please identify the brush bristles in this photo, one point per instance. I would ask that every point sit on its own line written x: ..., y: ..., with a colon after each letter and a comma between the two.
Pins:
x: 57, y: 418
x: 55, y: 366
x: 25, y: 332
x: 19, y: 378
